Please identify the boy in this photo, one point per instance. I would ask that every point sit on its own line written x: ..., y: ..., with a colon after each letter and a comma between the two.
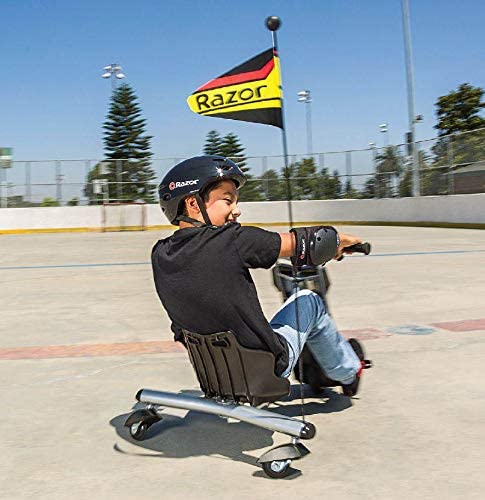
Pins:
x: 202, y: 274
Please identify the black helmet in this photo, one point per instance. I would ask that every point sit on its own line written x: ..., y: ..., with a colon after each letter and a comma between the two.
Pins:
x: 192, y: 176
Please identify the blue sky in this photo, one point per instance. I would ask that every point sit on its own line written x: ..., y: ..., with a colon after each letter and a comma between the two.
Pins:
x: 349, y: 53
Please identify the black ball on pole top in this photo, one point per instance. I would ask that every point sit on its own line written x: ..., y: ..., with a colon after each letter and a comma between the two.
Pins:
x: 273, y: 23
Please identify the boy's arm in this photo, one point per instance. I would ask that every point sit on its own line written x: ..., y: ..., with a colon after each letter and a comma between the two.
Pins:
x: 287, y: 248
x: 288, y: 244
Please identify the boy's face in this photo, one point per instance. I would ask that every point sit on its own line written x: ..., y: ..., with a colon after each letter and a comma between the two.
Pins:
x: 222, y: 204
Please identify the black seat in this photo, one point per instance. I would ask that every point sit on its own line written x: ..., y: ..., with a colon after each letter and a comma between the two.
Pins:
x: 231, y: 372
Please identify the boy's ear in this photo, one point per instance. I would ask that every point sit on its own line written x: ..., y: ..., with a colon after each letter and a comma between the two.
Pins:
x: 191, y: 204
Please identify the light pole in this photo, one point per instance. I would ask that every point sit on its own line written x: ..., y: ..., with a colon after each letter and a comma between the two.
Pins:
x: 410, y: 86
x: 113, y: 71
x: 305, y: 96
x: 384, y: 128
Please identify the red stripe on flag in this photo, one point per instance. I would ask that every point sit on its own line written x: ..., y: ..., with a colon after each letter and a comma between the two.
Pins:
x: 224, y: 81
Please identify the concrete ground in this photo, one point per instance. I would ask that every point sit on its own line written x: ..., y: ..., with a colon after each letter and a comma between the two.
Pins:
x: 81, y: 330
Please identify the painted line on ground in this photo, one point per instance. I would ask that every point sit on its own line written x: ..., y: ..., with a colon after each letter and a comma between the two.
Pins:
x: 466, y: 325
x: 168, y: 346
x: 108, y: 264
x: 436, y: 252
x: 57, y: 266
x: 90, y: 350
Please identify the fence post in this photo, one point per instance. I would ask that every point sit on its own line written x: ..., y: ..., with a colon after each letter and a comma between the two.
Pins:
x: 321, y: 161
x: 28, y: 182
x: 451, y: 179
x: 87, y: 169
x: 119, y: 179
x: 58, y: 182
x: 264, y: 169
x: 3, y: 188
x: 348, y: 172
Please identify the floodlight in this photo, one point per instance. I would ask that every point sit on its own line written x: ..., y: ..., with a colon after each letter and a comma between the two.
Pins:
x: 106, y: 75
x: 120, y: 75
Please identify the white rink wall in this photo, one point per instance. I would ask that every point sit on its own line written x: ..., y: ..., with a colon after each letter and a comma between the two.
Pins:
x: 440, y: 210
x: 443, y: 209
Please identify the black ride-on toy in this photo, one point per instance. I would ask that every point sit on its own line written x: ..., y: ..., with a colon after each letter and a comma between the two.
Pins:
x: 237, y: 382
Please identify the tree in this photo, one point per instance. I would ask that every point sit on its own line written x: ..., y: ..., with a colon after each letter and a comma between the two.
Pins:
x: 305, y: 182
x: 74, y: 202
x: 389, y: 167
x: 97, y: 173
x: 127, y: 150
x: 459, y: 112
x: 428, y: 177
x: 370, y: 188
x: 272, y: 186
x: 17, y: 201
x: 230, y: 147
x: 49, y: 202
x: 233, y: 149
x: 330, y: 185
x: 349, y: 190
x: 213, y: 143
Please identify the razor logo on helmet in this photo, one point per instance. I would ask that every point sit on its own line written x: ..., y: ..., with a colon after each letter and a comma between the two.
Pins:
x: 175, y: 185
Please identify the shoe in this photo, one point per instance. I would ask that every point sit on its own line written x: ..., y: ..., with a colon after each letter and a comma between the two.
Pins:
x: 352, y: 388
x: 313, y: 375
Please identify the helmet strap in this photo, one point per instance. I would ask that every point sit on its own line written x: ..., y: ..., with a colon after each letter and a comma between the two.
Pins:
x: 194, y: 222
x: 202, y: 209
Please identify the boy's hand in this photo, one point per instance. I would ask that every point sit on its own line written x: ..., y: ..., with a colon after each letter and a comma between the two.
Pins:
x: 346, y: 240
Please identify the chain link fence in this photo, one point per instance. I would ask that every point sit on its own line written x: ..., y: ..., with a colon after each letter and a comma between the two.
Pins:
x: 451, y: 164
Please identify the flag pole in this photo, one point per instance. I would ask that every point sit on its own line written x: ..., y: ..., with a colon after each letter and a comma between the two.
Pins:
x: 273, y: 23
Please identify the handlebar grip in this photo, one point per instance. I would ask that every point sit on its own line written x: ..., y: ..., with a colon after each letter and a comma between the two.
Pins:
x: 360, y: 248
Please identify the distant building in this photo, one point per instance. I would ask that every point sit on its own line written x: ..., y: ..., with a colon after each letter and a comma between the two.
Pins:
x: 469, y: 178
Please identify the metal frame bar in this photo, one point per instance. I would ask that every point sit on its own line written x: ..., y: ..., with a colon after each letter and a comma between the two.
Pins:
x: 248, y: 414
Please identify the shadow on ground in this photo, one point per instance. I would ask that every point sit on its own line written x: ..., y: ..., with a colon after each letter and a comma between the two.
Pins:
x: 200, y: 434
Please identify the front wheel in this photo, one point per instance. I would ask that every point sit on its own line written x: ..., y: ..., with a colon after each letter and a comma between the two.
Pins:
x: 277, y: 469
x: 138, y: 430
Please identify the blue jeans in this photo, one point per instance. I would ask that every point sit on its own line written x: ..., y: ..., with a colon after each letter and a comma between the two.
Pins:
x: 317, y: 329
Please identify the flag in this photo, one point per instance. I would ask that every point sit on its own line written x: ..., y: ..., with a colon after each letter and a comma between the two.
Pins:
x: 250, y: 92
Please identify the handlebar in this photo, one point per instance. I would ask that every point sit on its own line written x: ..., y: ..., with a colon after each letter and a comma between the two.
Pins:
x: 364, y: 248
x: 360, y: 248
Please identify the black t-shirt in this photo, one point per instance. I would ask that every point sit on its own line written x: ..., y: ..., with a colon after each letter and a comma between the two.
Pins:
x: 202, y: 278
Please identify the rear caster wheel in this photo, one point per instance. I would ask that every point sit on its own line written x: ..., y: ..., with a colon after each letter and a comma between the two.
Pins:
x: 138, y: 430
x: 277, y: 468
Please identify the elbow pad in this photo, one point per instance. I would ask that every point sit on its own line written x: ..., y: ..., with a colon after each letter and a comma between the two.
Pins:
x: 315, y: 245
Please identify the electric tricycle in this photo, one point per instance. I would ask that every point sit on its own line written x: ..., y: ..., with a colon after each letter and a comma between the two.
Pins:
x: 240, y: 383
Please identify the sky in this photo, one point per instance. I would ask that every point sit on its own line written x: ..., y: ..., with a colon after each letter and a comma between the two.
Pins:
x: 348, y: 53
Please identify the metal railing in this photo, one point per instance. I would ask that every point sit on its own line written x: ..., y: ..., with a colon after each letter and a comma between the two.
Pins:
x: 448, y: 165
